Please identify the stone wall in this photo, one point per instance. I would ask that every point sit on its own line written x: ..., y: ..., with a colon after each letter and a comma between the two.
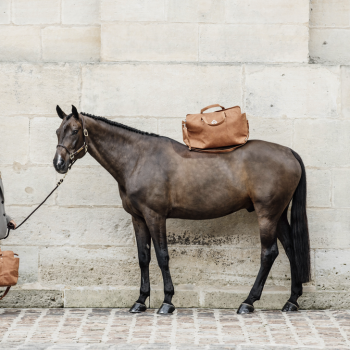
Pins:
x: 147, y: 64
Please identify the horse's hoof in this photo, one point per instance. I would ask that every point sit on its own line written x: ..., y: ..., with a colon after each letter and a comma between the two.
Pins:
x: 166, y: 309
x: 245, y: 309
x: 290, y: 307
x: 137, y: 308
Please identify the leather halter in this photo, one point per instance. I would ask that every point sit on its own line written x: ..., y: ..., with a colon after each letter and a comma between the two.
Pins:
x: 84, y: 146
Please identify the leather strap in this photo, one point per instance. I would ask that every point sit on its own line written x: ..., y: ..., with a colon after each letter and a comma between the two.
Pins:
x: 211, y: 106
x: 213, y: 124
x: 5, y: 293
x: 217, y: 150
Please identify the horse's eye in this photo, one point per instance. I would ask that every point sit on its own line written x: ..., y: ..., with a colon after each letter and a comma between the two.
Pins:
x: 74, y: 132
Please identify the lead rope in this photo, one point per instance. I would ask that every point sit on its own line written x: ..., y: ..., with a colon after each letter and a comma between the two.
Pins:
x: 9, y: 228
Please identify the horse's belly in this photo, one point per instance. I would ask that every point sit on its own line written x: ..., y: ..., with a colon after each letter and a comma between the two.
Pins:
x: 202, y: 204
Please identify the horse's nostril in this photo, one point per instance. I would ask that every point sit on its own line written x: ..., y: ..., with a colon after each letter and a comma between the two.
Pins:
x: 60, y: 164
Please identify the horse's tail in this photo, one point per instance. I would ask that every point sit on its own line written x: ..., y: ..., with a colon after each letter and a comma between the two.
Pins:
x: 300, y: 231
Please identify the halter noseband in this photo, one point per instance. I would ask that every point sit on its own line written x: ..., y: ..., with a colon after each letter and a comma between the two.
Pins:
x: 84, y: 146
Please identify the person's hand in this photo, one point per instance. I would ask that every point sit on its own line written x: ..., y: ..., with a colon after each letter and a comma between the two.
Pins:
x: 13, y: 224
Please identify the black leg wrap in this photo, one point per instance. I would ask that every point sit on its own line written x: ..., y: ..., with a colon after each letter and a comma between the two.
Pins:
x: 245, y: 309
x: 166, y: 309
x: 137, y: 308
x: 290, y: 307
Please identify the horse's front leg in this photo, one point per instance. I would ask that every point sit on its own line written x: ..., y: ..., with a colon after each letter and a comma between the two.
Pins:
x: 157, y: 227
x: 143, y: 239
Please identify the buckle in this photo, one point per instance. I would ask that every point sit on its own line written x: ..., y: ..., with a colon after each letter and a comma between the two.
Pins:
x: 86, y: 132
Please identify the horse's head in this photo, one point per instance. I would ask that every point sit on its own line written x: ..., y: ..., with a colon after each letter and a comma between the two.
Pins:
x: 70, y: 139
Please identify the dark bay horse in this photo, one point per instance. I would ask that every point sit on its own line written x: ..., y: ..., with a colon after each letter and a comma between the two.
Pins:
x: 160, y: 178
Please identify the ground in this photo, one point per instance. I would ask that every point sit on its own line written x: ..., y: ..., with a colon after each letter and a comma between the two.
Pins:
x: 185, y: 329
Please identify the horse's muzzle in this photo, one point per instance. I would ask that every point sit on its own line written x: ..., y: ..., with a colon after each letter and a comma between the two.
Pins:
x: 60, y: 165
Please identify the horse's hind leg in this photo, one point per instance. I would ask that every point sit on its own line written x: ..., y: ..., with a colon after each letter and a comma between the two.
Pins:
x: 269, y: 252
x: 285, y: 236
x: 143, y: 239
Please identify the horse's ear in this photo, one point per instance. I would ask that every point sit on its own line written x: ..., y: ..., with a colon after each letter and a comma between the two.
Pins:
x: 60, y: 113
x: 75, y: 112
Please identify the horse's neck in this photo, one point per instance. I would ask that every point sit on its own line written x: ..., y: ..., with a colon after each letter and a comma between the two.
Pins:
x: 115, y: 148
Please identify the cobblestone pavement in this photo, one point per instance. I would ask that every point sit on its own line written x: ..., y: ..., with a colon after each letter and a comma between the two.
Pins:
x: 186, y: 329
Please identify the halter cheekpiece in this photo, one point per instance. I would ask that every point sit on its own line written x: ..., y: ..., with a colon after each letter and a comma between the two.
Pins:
x: 84, y: 146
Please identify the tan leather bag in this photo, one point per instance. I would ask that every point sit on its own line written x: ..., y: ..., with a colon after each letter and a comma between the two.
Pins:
x: 216, y: 132
x: 9, y: 266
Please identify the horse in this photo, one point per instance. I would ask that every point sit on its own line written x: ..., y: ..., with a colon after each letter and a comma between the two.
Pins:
x: 160, y: 178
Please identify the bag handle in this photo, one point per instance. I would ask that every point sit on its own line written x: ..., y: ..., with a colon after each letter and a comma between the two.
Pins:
x: 5, y: 293
x: 211, y: 106
x: 214, y: 122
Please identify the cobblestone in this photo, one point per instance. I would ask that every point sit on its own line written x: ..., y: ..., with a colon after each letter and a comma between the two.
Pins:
x: 185, y: 329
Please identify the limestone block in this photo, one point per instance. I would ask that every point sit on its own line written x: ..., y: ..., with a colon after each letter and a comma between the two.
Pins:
x: 29, y: 262
x: 71, y: 44
x: 196, y: 11
x: 73, y: 226
x: 269, y: 11
x: 35, y: 11
x: 329, y: 13
x: 88, y: 186
x: 318, y: 188
x: 184, y: 297
x: 132, y: 10
x: 325, y: 300
x: 220, y: 267
x: 253, y: 43
x: 80, y: 11
x: 14, y: 140
x: 75, y: 266
x: 333, y: 269
x: 345, y: 87
x: 20, y: 43
x: 28, y: 185
x: 276, y: 300
x: 329, y: 46
x: 292, y: 92
x: 33, y: 299
x: 329, y: 228
x: 341, y: 188
x: 5, y: 6
x: 118, y: 266
x: 125, y: 297
x: 149, y: 42
x: 236, y: 230
x: 238, y: 267
x: 323, y: 143
x: 277, y: 131
x: 43, y: 139
x: 158, y: 90
x: 101, y: 297
x: 232, y: 299
x: 37, y: 89
x: 171, y: 127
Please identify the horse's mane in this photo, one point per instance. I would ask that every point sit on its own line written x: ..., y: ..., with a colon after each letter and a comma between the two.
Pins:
x: 119, y: 125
